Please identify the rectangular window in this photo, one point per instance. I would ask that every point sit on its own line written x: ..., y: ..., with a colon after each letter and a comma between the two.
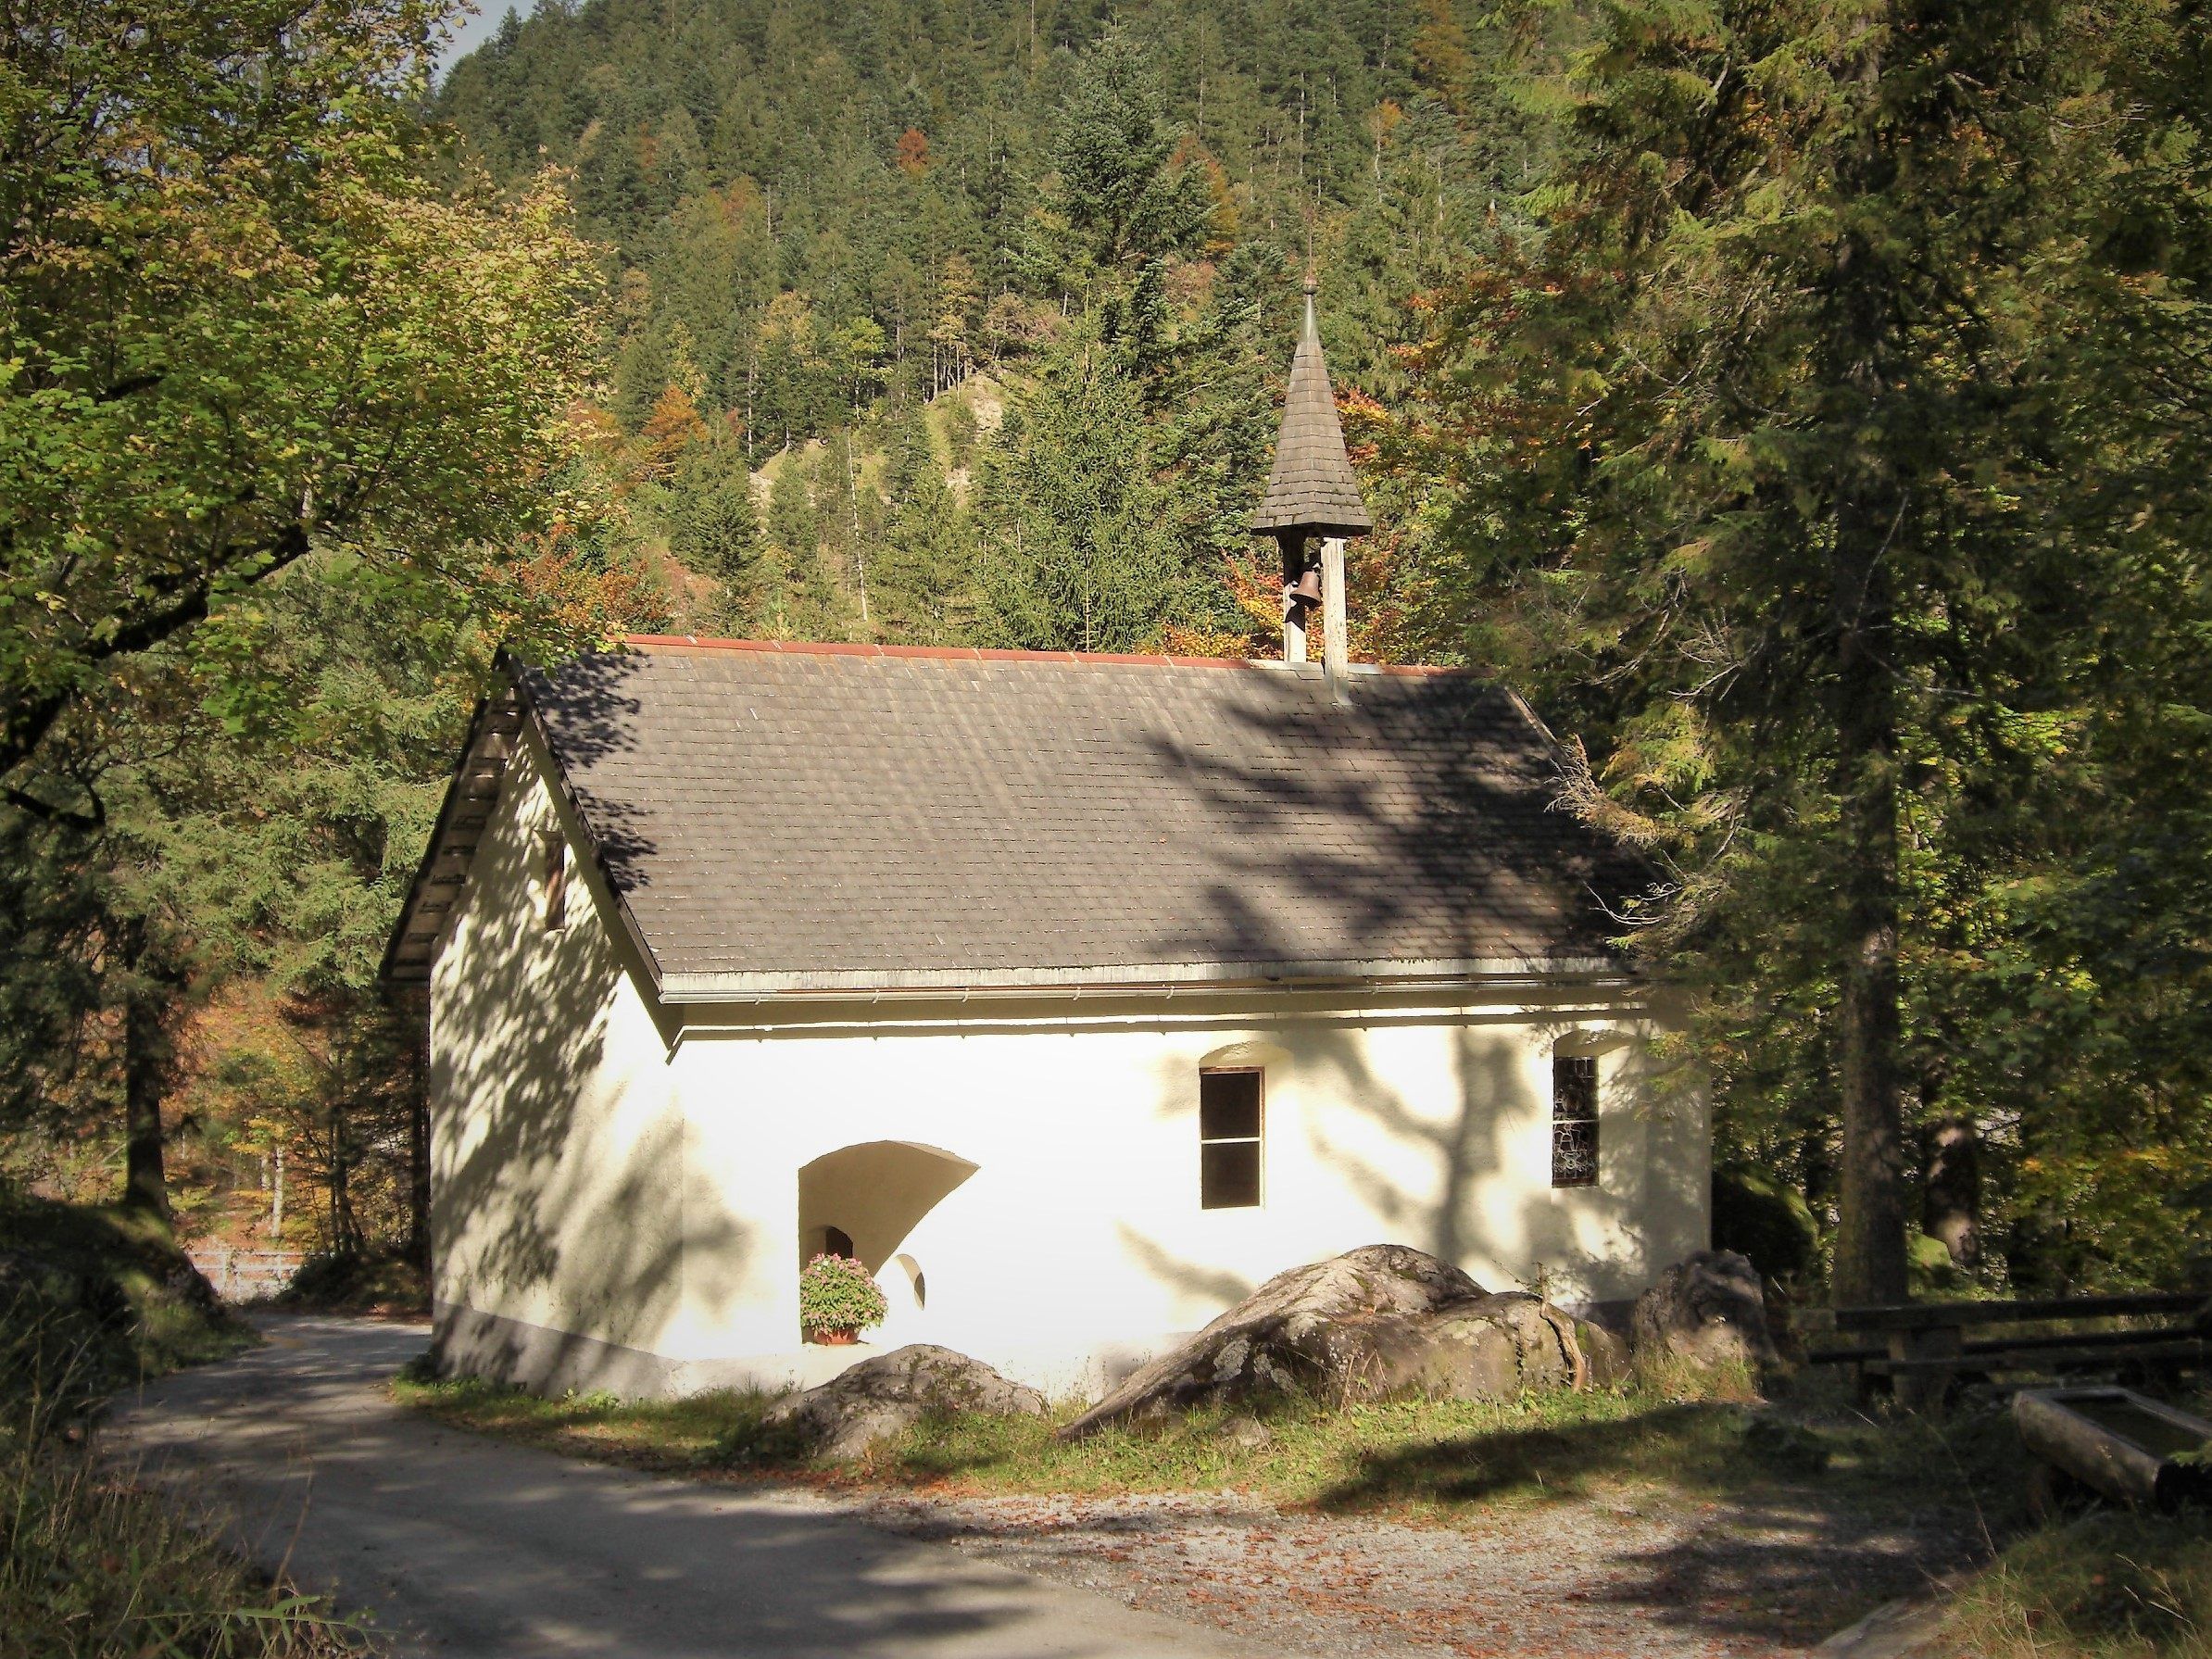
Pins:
x: 1574, y: 1120
x: 1229, y: 1139
x: 556, y: 881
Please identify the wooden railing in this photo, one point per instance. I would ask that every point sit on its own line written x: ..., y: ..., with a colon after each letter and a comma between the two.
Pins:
x: 1923, y: 1347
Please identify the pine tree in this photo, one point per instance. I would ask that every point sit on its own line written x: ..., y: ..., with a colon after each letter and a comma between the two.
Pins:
x: 715, y: 530
x: 924, y: 576
x: 1079, y: 553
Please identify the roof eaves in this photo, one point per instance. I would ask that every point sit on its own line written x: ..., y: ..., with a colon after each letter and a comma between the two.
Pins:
x: 1145, y: 976
x: 491, y: 712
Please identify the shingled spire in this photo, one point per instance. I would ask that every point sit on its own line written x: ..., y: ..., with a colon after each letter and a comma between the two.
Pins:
x: 1312, y: 492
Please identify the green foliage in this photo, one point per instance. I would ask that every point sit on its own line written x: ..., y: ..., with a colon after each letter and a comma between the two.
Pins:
x: 1809, y: 453
x: 714, y: 528
x: 1075, y: 524
x: 835, y: 1293
x: 817, y: 236
x: 1767, y: 1220
x: 239, y: 322
x: 925, y: 572
x: 1116, y: 190
x: 287, y: 437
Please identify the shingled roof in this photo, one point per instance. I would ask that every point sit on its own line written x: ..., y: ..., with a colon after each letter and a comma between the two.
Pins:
x: 793, y: 818
x: 1311, y: 488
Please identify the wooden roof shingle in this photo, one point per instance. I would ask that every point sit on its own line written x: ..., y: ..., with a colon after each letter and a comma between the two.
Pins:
x: 1310, y: 487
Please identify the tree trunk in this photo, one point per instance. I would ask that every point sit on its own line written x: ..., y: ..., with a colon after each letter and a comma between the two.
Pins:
x: 146, y: 1076
x: 342, y: 1240
x: 1870, y: 1261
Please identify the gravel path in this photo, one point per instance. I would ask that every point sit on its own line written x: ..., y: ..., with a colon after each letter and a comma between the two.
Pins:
x: 1568, y: 1578
x: 470, y: 1545
x: 463, y: 1546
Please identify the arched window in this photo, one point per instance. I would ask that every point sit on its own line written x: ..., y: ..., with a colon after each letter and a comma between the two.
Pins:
x: 837, y: 1241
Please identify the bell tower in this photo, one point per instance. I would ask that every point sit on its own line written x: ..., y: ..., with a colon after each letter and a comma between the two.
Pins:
x: 1311, y: 495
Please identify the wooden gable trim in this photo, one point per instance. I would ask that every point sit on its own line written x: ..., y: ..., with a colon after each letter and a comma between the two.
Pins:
x: 470, y: 796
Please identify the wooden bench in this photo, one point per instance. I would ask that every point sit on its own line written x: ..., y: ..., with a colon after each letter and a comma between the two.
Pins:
x: 1922, y: 1347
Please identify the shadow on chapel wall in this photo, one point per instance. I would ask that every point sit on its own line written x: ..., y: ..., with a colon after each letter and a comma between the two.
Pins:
x: 1487, y: 850
x: 560, y: 1184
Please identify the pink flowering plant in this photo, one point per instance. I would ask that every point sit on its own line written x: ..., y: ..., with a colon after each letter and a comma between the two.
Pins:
x: 835, y: 1294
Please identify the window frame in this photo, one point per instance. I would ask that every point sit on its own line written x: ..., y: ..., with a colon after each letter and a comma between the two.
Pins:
x: 553, y: 879
x: 1565, y: 1177
x: 1257, y: 1140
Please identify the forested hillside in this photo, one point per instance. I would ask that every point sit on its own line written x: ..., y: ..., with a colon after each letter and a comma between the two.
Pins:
x: 1803, y: 405
x: 1811, y: 492
x: 820, y: 219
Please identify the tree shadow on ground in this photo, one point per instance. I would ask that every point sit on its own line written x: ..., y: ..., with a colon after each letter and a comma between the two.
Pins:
x: 1762, y: 1546
x: 463, y: 1545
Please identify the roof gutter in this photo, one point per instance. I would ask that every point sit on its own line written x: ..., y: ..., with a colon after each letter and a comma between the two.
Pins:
x: 1143, y: 979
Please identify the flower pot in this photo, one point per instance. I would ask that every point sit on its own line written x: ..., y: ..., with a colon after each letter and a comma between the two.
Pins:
x: 845, y: 1337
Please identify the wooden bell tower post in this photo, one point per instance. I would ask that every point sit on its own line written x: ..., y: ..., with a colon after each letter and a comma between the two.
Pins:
x: 1312, y: 495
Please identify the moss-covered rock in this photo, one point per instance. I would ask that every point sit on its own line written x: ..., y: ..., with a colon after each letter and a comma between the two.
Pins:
x: 1373, y: 1322
x: 1766, y: 1221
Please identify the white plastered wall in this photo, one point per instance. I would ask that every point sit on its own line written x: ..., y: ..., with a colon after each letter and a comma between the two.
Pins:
x: 556, y: 1136
x: 616, y: 1190
x: 1080, y: 1235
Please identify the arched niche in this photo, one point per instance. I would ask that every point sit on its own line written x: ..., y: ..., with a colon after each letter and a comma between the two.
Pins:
x: 876, y: 1193
x: 1255, y: 1053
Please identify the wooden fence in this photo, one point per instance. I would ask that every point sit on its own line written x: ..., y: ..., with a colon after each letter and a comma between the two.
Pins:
x: 244, y: 1274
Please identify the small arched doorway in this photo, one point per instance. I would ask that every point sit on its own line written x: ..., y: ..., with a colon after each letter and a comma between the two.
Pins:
x: 868, y: 1198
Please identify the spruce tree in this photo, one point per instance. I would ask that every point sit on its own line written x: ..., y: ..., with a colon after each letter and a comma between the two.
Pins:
x: 1772, y: 448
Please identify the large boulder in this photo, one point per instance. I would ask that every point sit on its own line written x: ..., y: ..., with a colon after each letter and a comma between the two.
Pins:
x: 880, y: 1397
x: 1706, y: 1313
x: 1497, y: 1346
x: 1362, y: 1326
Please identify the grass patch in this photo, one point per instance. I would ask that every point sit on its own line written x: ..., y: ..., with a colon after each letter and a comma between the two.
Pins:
x: 92, y: 1564
x: 1415, y: 1458
x: 2111, y: 1585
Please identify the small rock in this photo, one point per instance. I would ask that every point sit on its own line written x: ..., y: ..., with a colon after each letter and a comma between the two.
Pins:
x: 1247, y: 1432
x: 1706, y: 1312
x: 880, y: 1397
